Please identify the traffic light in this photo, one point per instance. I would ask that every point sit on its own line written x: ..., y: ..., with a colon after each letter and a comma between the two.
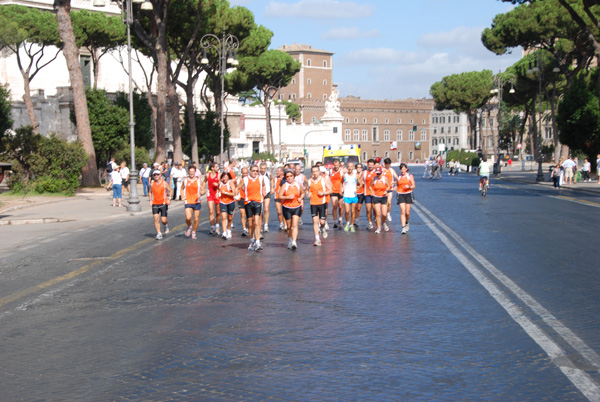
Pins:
x: 415, y: 128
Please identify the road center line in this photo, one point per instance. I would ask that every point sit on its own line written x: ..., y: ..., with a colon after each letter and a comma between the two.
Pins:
x: 559, y: 357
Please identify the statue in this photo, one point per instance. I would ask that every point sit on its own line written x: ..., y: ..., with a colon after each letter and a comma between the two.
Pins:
x: 332, y: 106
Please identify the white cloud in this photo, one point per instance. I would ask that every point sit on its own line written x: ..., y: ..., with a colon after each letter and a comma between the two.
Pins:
x: 350, y: 33
x: 461, y: 38
x: 319, y: 9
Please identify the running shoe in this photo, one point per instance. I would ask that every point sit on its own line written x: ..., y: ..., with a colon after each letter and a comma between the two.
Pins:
x: 289, y: 245
x: 347, y: 227
x: 340, y: 224
x: 258, y: 246
x: 300, y: 222
x: 212, y: 230
x: 217, y: 231
x: 335, y: 226
x: 224, y: 235
x: 389, y: 217
x: 193, y: 235
x: 370, y: 227
x: 266, y: 227
x: 317, y: 242
x: 245, y: 232
x: 159, y: 236
x: 281, y: 225
x: 294, y: 245
x: 188, y: 232
x: 324, y: 232
x: 386, y: 227
x: 166, y: 229
x: 228, y: 237
x: 284, y: 227
x: 326, y: 226
x: 407, y: 227
x: 251, y: 245
x: 232, y: 225
x: 352, y: 230
x: 404, y: 230
x: 378, y: 231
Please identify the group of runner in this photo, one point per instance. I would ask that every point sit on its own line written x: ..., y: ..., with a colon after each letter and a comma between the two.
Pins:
x: 345, y: 187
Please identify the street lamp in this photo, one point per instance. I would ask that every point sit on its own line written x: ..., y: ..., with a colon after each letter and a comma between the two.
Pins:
x: 226, y: 47
x: 497, y: 87
x: 304, y: 143
x: 127, y: 8
x: 271, y: 91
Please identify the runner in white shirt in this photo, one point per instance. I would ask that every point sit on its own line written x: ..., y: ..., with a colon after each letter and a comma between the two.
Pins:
x: 267, y: 202
x: 349, y: 186
x: 301, y: 180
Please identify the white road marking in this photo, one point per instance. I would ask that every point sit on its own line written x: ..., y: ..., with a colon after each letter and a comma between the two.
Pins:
x: 560, y: 358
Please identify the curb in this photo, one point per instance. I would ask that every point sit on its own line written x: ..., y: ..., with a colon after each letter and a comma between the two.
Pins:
x: 33, y: 221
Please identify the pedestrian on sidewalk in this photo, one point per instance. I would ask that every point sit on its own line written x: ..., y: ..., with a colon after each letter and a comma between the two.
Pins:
x: 568, y: 166
x: 145, y: 175
x: 124, y: 170
x: 555, y: 175
x: 598, y: 167
x: 585, y: 170
x: 116, y: 182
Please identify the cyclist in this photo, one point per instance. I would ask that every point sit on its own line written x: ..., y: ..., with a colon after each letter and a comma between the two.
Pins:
x: 484, y: 172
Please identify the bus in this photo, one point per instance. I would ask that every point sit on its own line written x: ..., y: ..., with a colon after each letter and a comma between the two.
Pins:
x: 344, y: 153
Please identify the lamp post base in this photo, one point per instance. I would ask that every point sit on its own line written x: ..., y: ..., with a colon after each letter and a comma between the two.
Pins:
x: 540, y: 173
x: 133, y: 200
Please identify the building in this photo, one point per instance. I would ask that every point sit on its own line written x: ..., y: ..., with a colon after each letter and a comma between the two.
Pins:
x: 449, y: 131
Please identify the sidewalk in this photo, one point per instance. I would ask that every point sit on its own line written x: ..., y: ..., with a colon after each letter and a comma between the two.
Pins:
x: 87, y: 205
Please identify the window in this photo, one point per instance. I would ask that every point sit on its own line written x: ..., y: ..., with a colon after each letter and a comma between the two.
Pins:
x: 347, y: 135
x: 325, y: 96
x: 411, y: 155
x: 386, y: 155
x: 434, y: 142
x: 308, y: 95
x: 456, y: 129
x: 86, y: 69
x: 442, y: 119
x: 364, y: 155
x: 435, y: 130
x: 387, y: 121
x: 280, y: 96
x: 374, y: 153
x: 364, y: 119
x: 386, y: 135
x: 455, y: 141
x: 491, y: 122
x: 308, y: 62
x: 293, y: 96
x: 356, y: 135
x: 423, y: 135
x: 398, y: 135
x: 435, y: 119
x: 399, y: 121
x: 375, y: 120
x: 423, y: 121
x: 483, y: 122
x: 399, y: 156
x: 375, y: 136
x: 411, y: 135
x: 347, y: 119
x: 365, y: 135
x: 293, y: 80
x: 309, y: 81
x: 324, y: 82
x: 356, y: 120
x: 324, y: 63
x: 442, y: 130
x: 456, y: 119
x: 411, y: 121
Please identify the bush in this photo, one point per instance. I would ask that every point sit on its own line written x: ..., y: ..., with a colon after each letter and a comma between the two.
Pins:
x: 263, y: 156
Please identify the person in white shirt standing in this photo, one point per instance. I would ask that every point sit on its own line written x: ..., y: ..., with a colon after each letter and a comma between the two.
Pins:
x: 585, y: 170
x: 568, y: 166
x: 125, y: 176
x: 145, y: 175
x: 116, y: 183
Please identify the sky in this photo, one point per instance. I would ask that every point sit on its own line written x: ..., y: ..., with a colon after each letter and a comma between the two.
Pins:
x: 388, y: 49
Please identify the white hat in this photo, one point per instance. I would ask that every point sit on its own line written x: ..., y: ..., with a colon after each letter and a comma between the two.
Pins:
x: 322, y: 169
x: 156, y: 172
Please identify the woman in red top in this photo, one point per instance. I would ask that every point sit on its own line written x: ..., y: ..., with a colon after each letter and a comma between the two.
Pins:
x: 276, y: 184
x: 226, y: 194
x: 291, y: 193
x: 212, y: 179
x: 379, y: 189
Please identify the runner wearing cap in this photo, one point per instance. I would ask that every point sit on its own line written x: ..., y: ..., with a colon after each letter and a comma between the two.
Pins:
x: 160, y: 198
x: 290, y: 193
x: 319, y: 188
x: 379, y: 189
x: 192, y: 188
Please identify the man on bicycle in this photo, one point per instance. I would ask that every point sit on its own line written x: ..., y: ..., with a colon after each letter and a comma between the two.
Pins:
x: 484, y: 172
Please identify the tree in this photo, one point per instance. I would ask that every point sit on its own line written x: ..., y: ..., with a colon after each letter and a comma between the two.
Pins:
x: 143, y: 116
x: 268, y: 71
x: 62, y: 9
x: 578, y: 116
x: 28, y: 33
x: 208, y: 132
x: 6, y: 120
x: 99, y: 34
x: 109, y: 124
x: 291, y: 109
x: 464, y: 93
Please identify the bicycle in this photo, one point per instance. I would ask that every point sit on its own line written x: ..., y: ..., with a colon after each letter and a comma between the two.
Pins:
x: 483, y: 185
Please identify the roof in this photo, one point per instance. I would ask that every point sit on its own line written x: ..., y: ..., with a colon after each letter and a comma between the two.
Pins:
x: 302, y: 48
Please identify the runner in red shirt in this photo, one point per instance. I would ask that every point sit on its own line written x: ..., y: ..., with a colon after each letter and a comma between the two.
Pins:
x: 336, y: 175
x: 212, y: 180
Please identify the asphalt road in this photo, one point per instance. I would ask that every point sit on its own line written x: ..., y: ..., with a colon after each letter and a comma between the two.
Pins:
x: 491, y: 298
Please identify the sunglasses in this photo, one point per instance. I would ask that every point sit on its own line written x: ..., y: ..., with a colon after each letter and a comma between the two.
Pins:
x: 156, y: 174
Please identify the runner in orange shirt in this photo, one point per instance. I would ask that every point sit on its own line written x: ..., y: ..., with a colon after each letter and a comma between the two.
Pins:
x: 255, y: 190
x: 336, y: 175
x: 379, y: 189
x: 369, y: 175
x: 291, y: 195
x: 391, y: 176
x: 192, y: 189
x: 241, y: 200
x: 276, y: 184
x: 160, y: 198
x: 318, y: 187
x: 226, y: 194
x: 406, y: 185
x: 360, y: 191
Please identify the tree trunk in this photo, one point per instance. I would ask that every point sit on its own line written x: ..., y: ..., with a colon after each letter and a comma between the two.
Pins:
x: 268, y: 120
x: 175, y: 122
x: 189, y: 92
x: 95, y: 67
x: 62, y: 8
x: 161, y: 104
x: 29, y: 103
x: 472, y: 116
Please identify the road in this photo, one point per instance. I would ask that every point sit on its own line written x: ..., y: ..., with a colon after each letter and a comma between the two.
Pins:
x: 489, y: 298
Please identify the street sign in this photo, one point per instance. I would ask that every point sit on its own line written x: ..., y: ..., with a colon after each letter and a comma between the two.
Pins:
x: 393, y: 145
x: 519, y: 146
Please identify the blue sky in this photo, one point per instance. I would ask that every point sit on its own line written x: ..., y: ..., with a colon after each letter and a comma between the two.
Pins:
x: 388, y: 49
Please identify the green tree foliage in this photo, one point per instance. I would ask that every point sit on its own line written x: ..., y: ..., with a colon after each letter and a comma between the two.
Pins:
x: 99, y: 34
x: 464, y: 157
x: 28, y: 33
x: 109, y: 124
x: 291, y: 109
x: 464, y: 93
x: 6, y: 120
x: 142, y: 112
x: 141, y: 156
x: 578, y: 116
x: 45, y: 164
x: 208, y: 132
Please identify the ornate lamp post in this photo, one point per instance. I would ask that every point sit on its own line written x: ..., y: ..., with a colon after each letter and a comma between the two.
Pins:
x: 499, y: 80
x: 226, y: 47
x: 126, y: 6
x: 271, y: 91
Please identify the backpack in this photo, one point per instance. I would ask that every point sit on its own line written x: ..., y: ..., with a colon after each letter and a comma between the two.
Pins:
x: 109, y: 167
